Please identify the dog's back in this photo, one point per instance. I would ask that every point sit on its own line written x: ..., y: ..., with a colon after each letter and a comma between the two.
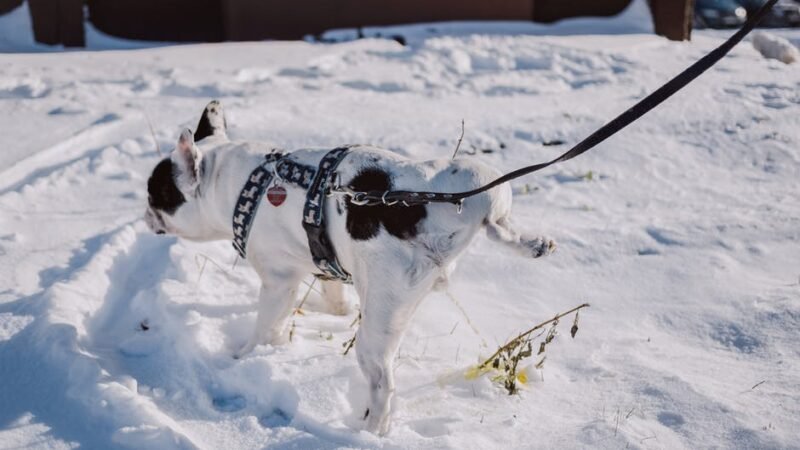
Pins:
x: 440, y: 226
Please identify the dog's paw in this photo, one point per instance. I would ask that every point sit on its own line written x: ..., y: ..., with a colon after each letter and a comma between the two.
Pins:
x: 274, y: 339
x: 379, y: 426
x: 278, y: 339
x: 340, y: 308
x: 539, y: 246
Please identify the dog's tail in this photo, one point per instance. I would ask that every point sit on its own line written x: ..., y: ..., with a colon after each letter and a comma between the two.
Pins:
x: 529, y: 246
x: 499, y: 229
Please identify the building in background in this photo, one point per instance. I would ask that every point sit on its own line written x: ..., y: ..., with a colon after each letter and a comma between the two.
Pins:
x: 61, y: 21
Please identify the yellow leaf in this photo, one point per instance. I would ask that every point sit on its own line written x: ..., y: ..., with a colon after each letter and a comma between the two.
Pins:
x: 522, y: 376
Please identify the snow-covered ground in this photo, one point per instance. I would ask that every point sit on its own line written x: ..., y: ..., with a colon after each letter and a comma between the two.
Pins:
x: 682, y: 232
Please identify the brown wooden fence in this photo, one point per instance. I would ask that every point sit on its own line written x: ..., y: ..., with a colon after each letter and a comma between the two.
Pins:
x: 61, y: 21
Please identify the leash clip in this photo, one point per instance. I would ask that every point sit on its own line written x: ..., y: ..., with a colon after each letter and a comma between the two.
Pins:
x: 460, y: 206
x: 357, y: 199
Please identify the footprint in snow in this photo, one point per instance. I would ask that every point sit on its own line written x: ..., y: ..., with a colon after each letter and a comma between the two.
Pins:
x: 663, y: 237
x: 735, y: 337
x: 276, y: 418
x: 670, y: 419
x: 432, y: 427
x: 229, y: 404
x: 27, y: 89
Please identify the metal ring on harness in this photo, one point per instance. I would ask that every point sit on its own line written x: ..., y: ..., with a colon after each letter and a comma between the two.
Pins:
x: 355, y: 198
x: 278, y: 179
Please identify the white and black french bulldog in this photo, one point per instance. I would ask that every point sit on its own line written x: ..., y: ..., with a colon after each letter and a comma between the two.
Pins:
x: 395, y: 254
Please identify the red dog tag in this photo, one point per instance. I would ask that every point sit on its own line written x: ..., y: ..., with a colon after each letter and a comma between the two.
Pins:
x: 276, y: 195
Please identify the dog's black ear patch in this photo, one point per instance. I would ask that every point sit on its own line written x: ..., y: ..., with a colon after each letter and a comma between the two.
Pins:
x: 363, y: 222
x: 205, y: 127
x: 163, y: 193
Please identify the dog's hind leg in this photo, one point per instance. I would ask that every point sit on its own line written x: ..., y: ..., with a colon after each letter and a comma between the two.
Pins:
x: 390, y: 292
x: 275, y: 300
x: 500, y: 230
x: 333, y: 292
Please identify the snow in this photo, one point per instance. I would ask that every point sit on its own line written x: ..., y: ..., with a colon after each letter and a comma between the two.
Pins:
x: 684, y: 239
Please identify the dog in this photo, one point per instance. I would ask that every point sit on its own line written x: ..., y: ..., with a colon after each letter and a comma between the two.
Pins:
x: 395, y: 254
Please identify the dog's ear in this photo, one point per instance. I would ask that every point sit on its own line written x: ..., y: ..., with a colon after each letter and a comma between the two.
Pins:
x: 212, y: 122
x: 186, y: 158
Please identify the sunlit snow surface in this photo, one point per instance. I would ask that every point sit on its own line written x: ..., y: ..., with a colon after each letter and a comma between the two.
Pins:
x: 682, y: 232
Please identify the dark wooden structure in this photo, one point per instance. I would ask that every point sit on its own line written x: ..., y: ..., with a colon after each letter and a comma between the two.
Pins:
x: 58, y: 22
x: 672, y: 18
x: 61, y: 21
x: 259, y: 19
x: 8, y: 5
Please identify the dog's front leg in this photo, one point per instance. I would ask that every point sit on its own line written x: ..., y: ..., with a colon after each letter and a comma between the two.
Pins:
x: 275, y: 302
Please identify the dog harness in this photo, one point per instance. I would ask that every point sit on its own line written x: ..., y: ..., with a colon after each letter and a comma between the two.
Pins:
x: 316, y: 182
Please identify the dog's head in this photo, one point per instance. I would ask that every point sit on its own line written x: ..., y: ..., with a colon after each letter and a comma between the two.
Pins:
x: 175, y: 188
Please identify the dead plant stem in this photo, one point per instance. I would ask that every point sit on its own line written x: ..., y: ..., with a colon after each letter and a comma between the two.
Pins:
x: 511, y: 343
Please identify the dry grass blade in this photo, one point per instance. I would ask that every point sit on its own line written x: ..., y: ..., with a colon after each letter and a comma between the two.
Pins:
x: 458, y: 145
x: 291, y: 331
x: 202, y: 266
x: 356, y: 320
x: 153, y: 134
x: 574, y: 330
x: 299, y: 309
x: 463, y: 312
x: 348, y: 345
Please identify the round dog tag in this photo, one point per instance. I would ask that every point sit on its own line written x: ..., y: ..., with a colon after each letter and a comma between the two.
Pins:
x: 276, y: 195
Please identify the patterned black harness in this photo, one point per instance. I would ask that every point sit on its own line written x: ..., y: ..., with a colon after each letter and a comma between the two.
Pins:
x: 316, y: 181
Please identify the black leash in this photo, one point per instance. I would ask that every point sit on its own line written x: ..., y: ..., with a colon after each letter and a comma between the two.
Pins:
x: 408, y: 198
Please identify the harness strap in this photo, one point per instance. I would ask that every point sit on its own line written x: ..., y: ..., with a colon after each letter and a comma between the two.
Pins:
x: 294, y: 172
x: 322, y: 251
x: 409, y: 198
x: 249, y: 199
x: 316, y: 182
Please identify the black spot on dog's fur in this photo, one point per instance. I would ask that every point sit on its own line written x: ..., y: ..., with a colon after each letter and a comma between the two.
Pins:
x: 164, y: 195
x: 364, y: 222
